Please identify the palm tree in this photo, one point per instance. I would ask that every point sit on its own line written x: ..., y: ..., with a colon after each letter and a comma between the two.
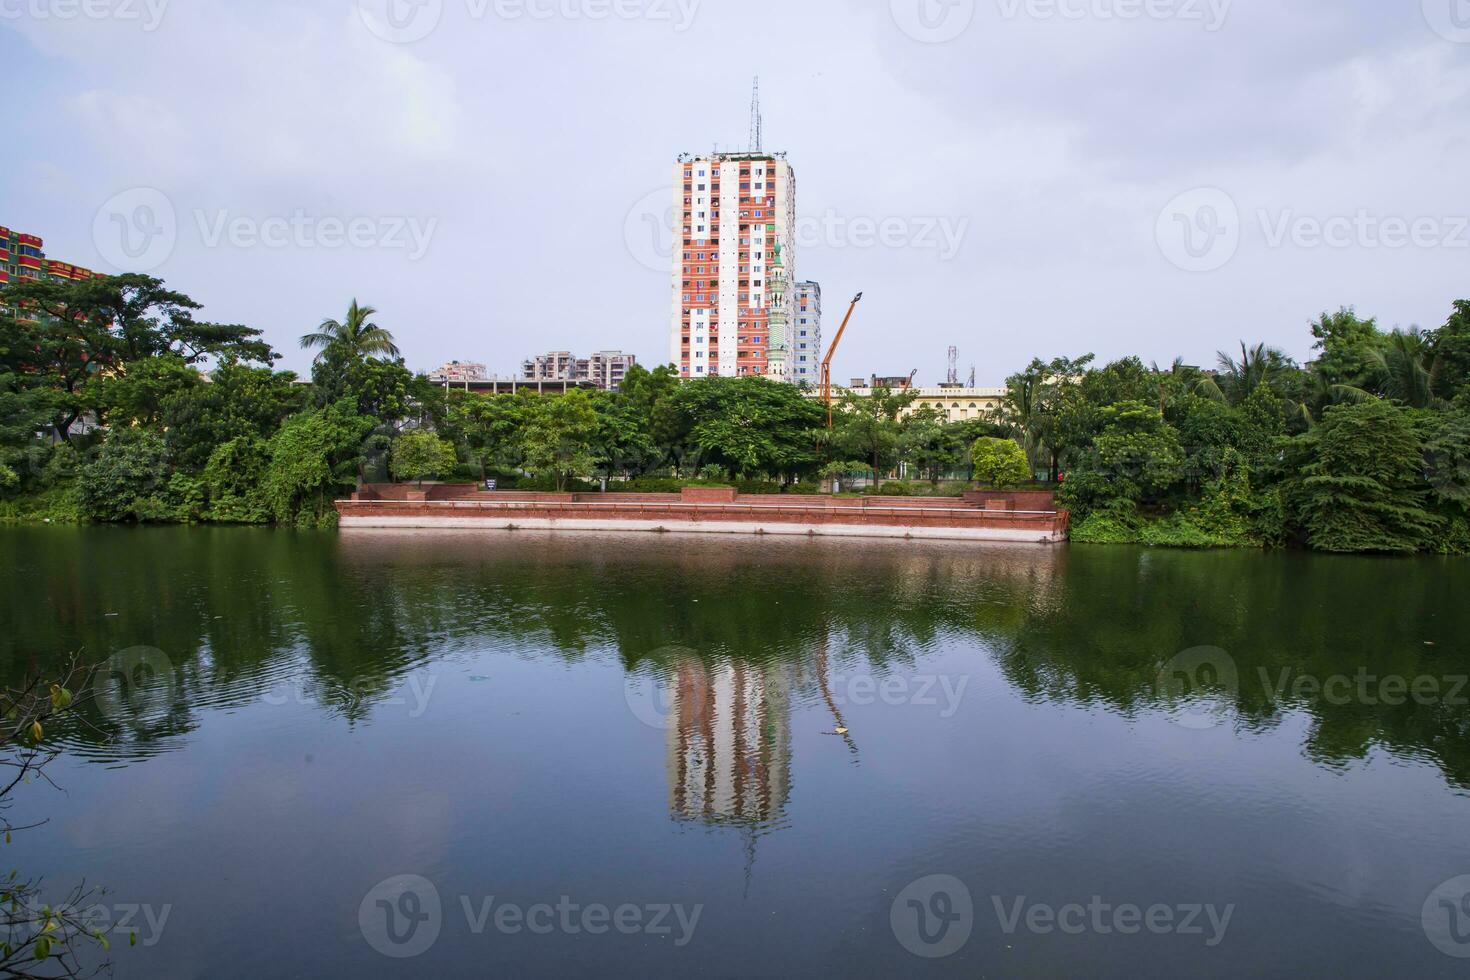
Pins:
x: 358, y: 337
x: 1020, y: 411
x: 1258, y: 365
x: 1406, y: 373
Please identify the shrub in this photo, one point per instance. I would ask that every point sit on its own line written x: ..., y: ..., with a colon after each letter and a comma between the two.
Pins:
x: 647, y: 484
x: 1000, y: 463
x: 234, y: 477
x: 896, y: 488
x: 127, y: 480
x: 57, y: 504
x: 1105, y: 528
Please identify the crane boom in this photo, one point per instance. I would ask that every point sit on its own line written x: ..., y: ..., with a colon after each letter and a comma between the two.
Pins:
x: 826, y: 377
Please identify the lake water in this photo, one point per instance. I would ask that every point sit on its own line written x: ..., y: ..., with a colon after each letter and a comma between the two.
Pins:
x: 537, y: 755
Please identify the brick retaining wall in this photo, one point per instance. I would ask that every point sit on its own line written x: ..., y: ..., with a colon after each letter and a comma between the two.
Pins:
x: 709, y: 509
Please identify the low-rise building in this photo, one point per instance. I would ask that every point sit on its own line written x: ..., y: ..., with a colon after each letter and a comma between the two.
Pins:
x: 603, y: 369
x: 955, y: 404
x: 22, y: 257
x: 460, y: 371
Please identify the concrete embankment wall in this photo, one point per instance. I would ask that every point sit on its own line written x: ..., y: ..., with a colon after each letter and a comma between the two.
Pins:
x: 709, y: 510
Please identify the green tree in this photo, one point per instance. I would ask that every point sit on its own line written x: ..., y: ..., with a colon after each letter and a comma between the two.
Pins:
x: 870, y: 426
x: 487, y: 427
x: 558, y: 436
x: 623, y: 444
x: 1047, y: 411
x: 417, y: 454
x: 838, y: 470
x: 240, y: 401
x: 128, y: 480
x: 234, y: 479
x: 1450, y: 348
x: 928, y: 442
x: 1259, y: 365
x: 27, y: 405
x: 136, y: 393
x: 1135, y: 459
x: 1350, y: 348
x: 1001, y: 464
x: 1403, y: 369
x: 314, y: 458
x: 1362, y: 490
x: 1447, y: 456
x: 82, y: 330
x: 747, y: 425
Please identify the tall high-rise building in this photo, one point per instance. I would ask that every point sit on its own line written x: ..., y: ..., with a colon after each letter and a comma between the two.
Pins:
x: 806, y: 333
x: 733, y: 210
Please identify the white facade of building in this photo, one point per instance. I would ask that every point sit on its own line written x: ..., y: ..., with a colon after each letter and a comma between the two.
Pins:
x: 806, y: 333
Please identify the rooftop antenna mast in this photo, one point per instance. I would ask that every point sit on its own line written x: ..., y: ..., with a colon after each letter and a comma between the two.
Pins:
x: 755, y: 117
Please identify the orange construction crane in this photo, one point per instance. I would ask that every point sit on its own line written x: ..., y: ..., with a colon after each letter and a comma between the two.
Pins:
x: 826, y: 379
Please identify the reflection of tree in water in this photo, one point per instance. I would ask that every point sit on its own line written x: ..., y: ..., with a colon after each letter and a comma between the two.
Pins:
x: 1119, y: 615
x: 345, y: 617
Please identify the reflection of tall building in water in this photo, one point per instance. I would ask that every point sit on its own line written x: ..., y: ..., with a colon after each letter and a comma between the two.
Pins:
x: 729, y: 742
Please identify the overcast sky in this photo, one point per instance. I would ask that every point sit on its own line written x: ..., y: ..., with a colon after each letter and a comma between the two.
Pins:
x: 1014, y: 177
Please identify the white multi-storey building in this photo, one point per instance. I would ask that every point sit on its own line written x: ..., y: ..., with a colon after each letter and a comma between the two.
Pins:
x: 806, y: 333
x: 731, y: 209
x: 457, y: 371
x: 605, y: 369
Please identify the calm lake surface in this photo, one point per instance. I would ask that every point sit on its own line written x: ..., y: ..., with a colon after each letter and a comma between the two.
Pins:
x: 614, y: 755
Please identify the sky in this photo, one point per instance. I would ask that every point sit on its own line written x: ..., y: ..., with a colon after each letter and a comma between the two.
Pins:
x: 1015, y: 178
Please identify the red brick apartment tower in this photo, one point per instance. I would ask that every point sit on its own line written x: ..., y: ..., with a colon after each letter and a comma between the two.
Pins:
x: 731, y: 210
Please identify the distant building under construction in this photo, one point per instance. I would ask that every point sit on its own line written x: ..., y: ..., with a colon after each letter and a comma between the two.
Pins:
x: 603, y: 369
x: 457, y: 371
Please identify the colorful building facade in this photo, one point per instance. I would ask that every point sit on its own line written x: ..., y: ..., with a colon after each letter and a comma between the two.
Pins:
x: 731, y: 211
x: 22, y: 257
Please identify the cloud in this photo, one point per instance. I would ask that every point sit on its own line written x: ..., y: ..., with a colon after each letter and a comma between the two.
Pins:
x: 1055, y: 141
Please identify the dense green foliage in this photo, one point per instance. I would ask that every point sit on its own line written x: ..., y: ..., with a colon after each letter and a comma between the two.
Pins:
x: 1366, y: 449
x: 116, y: 404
